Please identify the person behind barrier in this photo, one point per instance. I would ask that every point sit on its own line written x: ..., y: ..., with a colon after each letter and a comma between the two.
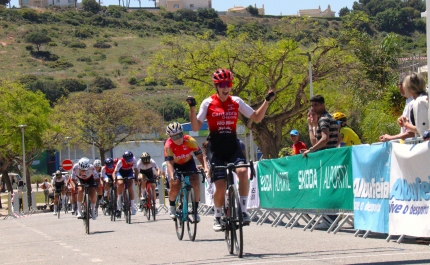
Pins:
x: 404, y: 132
x: 59, y: 185
x: 45, y: 186
x: 415, y: 86
x: 85, y: 173
x: 298, y: 145
x: 125, y: 170
x: 178, y: 153
x: 347, y: 137
x: 326, y: 134
x: 222, y: 112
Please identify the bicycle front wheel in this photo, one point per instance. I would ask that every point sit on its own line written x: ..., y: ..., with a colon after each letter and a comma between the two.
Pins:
x: 234, y: 231
x: 58, y: 207
x: 148, y: 203
x: 153, y: 204
x: 191, y: 215
x: 179, y: 222
x: 127, y: 208
x: 66, y: 204
x: 112, y: 204
x: 87, y: 213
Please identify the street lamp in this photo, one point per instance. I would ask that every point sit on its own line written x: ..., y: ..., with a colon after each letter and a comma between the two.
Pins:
x: 68, y: 145
x: 310, y: 72
x: 24, y: 169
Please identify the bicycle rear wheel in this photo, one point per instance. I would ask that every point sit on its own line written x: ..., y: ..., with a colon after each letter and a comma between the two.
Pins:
x: 191, y: 215
x: 66, y: 204
x: 234, y: 231
x: 152, y: 206
x: 87, y: 213
x: 126, y: 206
x: 112, y: 204
x: 179, y: 223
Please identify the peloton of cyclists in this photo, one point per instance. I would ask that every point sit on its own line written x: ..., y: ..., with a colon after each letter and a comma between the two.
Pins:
x: 148, y: 171
x: 222, y: 112
x: 59, y: 185
x: 125, y: 169
x: 85, y: 173
x: 178, y: 153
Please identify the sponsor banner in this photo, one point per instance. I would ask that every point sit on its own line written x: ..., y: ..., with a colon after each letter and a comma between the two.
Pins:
x: 410, y: 190
x: 321, y: 181
x: 209, y: 192
x: 371, y: 174
x: 253, y: 198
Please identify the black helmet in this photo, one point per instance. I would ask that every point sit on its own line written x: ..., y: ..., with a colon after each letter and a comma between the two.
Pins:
x: 146, y: 158
x: 109, y: 162
x: 128, y: 156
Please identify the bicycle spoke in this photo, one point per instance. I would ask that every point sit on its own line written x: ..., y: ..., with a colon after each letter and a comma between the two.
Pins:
x: 192, y: 215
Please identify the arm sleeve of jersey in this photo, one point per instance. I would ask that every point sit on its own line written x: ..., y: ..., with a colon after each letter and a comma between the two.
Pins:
x: 154, y: 164
x: 139, y: 164
x: 95, y: 173
x: 203, y: 111
x: 118, y: 165
x: 103, y: 172
x: 135, y: 164
x: 244, y: 108
x: 74, y: 170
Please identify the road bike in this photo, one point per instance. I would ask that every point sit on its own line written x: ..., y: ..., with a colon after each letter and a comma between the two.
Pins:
x: 126, y: 202
x: 185, y: 210
x: 109, y: 208
x: 231, y: 209
x: 86, y: 207
x: 149, y: 203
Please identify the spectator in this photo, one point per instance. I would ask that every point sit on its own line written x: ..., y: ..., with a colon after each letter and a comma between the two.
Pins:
x: 45, y: 187
x: 21, y: 190
x: 297, y: 144
x: 325, y: 134
x: 414, y: 85
x: 404, y: 133
x: 348, y: 137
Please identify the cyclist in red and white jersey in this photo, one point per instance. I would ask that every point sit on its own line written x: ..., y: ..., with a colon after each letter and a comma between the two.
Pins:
x: 222, y: 112
x: 125, y: 169
x: 148, y: 169
x: 98, y: 165
x: 178, y: 153
x: 85, y: 173
x: 106, y: 174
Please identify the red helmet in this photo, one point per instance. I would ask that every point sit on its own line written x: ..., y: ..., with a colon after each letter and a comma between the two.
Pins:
x: 222, y: 75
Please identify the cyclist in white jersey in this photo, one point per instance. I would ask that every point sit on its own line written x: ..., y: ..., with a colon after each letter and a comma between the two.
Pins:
x: 85, y: 173
x: 59, y: 185
x: 148, y: 170
x: 222, y: 113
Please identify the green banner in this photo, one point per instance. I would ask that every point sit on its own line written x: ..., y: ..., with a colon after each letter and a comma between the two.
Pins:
x: 323, y: 180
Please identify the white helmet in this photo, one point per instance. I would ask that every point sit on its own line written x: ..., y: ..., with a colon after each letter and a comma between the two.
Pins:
x: 84, y: 163
x: 174, y: 128
x: 97, y: 163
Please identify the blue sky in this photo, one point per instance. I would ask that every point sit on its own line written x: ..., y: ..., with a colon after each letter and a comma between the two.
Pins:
x: 272, y: 7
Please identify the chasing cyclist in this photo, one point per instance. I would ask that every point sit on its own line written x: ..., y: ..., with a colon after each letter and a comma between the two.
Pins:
x: 59, y: 185
x: 98, y: 165
x: 178, y: 153
x: 125, y: 169
x: 149, y: 171
x: 85, y: 173
x: 222, y: 112
x: 106, y: 174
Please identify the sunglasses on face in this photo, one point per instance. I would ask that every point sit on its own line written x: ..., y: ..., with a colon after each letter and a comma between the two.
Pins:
x: 177, y: 136
x: 225, y: 84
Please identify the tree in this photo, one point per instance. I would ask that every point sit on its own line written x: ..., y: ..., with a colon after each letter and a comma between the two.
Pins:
x: 107, y: 119
x: 252, y: 10
x: 4, y: 2
x: 21, y: 106
x: 257, y: 66
x: 38, y: 38
x: 343, y: 11
x: 91, y: 6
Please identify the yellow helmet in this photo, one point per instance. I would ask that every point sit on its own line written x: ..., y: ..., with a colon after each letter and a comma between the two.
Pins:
x: 339, y: 116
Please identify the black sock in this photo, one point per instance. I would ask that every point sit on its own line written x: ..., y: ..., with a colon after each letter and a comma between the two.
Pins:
x: 172, y: 203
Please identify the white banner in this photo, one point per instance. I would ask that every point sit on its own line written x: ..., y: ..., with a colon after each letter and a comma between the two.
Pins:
x: 410, y: 190
x: 253, y: 198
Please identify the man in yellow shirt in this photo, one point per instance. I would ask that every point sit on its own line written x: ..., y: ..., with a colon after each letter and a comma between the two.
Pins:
x: 348, y: 136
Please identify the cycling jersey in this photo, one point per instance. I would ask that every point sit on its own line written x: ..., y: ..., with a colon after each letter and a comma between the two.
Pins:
x: 222, y: 116
x: 349, y: 137
x: 122, y: 165
x: 84, y: 174
x: 107, y: 171
x: 181, y: 154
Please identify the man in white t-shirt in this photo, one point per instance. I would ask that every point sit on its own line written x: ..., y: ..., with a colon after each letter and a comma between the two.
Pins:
x: 404, y: 133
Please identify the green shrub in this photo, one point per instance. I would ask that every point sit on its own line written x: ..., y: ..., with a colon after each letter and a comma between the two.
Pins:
x: 103, y: 83
x: 132, y: 81
x: 84, y: 59
x: 29, y: 47
x: 126, y: 59
x: 102, y: 45
x: 52, y: 44
x: 59, y: 64
x: 77, y: 44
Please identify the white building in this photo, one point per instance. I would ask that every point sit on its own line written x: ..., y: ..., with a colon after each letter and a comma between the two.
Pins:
x: 173, y: 5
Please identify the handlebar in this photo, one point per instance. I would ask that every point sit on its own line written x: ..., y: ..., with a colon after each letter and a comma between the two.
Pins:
x: 187, y: 173
x: 232, y: 167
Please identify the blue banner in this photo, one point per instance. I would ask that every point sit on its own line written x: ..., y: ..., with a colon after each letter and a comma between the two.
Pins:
x: 371, y: 174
